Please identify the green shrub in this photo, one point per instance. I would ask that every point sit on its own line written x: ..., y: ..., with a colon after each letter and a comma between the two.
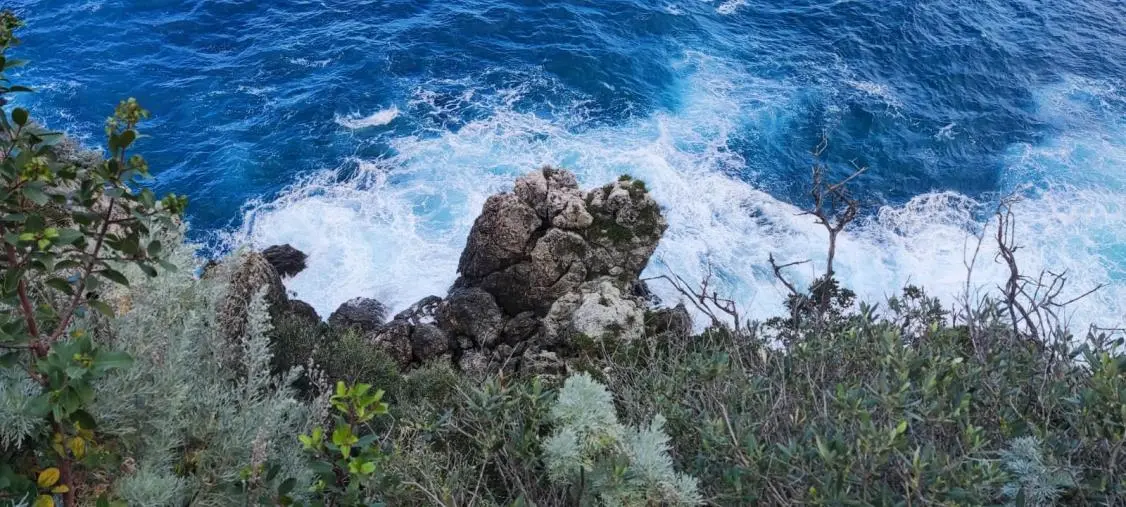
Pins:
x: 69, y: 231
x: 349, y: 357
x: 883, y: 409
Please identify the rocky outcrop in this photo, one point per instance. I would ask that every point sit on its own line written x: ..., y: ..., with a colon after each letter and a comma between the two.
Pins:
x: 542, y: 265
x: 546, y: 262
x: 285, y: 259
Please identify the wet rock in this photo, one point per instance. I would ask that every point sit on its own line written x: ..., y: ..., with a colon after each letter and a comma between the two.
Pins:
x: 365, y: 314
x: 304, y: 310
x: 285, y: 259
x: 424, y: 311
x: 670, y: 323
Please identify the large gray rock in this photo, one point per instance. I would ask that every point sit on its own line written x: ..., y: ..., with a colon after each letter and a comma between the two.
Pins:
x: 500, y: 236
x: 424, y: 311
x: 599, y: 309
x: 428, y: 342
x: 365, y: 314
x: 394, y: 339
x: 472, y: 313
x: 549, y: 261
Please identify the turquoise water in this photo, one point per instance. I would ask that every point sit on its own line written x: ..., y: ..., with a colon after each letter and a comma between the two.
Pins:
x: 369, y: 133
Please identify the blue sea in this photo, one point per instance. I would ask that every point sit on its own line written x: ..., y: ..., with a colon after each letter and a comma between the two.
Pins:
x: 369, y: 133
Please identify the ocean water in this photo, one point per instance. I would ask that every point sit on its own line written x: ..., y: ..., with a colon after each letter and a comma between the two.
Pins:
x: 369, y: 133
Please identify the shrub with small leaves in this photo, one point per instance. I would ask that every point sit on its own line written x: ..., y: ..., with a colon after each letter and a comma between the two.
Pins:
x: 597, y: 456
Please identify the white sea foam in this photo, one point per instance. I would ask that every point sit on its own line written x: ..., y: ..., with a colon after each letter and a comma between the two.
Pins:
x: 396, y: 229
x: 376, y: 119
x: 730, y: 6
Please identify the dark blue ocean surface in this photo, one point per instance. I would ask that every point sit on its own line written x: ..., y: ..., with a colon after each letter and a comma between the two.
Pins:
x: 368, y: 133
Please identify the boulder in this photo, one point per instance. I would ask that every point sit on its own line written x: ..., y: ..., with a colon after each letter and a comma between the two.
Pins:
x: 304, y: 310
x: 428, y: 342
x: 424, y: 311
x: 542, y: 263
x: 364, y: 313
x: 670, y: 323
x: 547, y: 261
x: 474, y: 363
x: 285, y: 259
x: 251, y: 273
x: 472, y: 313
x: 500, y: 236
x: 394, y: 339
x: 598, y: 309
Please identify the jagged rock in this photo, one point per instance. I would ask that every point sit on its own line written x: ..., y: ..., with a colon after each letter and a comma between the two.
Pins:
x: 541, y: 264
x: 364, y: 313
x: 640, y: 290
x: 471, y: 312
x: 303, y: 309
x: 499, y: 236
x: 394, y: 339
x: 251, y: 274
x: 422, y: 312
x: 627, y: 226
x: 288, y: 261
x: 428, y: 342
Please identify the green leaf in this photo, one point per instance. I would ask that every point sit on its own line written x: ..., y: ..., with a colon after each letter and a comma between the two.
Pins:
x: 35, y: 195
x: 68, y: 236
x: 127, y: 138
x: 154, y: 248
x: 114, y: 276
x: 61, y: 285
x: 287, y: 486
x: 12, y: 279
x: 101, y: 307
x: 84, y: 419
x: 112, y: 359
x: 9, y: 360
x: 19, y: 115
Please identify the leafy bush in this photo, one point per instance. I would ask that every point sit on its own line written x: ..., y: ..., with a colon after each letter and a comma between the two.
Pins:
x: 883, y: 409
x: 68, y: 233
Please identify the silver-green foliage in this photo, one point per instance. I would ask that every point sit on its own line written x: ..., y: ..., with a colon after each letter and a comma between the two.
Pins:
x: 591, y: 450
x: 1036, y: 479
x: 195, y: 409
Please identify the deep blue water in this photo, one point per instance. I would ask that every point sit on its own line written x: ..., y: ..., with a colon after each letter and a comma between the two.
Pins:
x: 369, y: 132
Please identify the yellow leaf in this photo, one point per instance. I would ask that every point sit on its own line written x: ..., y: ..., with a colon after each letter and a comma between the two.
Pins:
x: 61, y: 488
x: 44, y: 501
x: 48, y: 477
x: 77, y: 447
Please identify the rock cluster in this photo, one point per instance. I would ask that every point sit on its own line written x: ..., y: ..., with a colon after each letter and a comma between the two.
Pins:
x: 542, y: 265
